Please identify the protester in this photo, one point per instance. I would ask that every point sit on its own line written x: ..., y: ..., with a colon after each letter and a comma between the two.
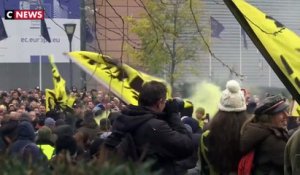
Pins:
x: 24, y: 147
x: 160, y: 137
x: 220, y: 143
x: 157, y: 132
x: 45, y: 141
x: 89, y: 125
x: 202, y: 118
x: 187, y: 118
x: 266, y: 135
x: 8, y: 133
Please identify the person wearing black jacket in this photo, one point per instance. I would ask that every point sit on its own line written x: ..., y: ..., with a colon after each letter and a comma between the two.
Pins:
x: 157, y: 131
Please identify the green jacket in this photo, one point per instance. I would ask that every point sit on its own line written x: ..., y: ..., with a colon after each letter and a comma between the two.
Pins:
x: 292, y: 155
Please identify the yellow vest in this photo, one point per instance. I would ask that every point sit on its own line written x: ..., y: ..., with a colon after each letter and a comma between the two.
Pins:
x: 48, y: 150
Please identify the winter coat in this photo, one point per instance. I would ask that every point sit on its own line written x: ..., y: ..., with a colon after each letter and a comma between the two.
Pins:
x: 89, y: 127
x: 292, y: 155
x: 190, y: 163
x: 268, y: 142
x: 24, y: 146
x: 157, y: 138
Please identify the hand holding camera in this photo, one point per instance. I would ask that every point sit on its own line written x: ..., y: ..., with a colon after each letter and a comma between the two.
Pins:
x: 174, y: 105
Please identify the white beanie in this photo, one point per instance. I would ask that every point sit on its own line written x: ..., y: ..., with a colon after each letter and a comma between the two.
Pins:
x: 232, y: 99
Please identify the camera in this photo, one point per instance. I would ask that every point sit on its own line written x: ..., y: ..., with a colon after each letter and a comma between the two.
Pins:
x: 174, y: 105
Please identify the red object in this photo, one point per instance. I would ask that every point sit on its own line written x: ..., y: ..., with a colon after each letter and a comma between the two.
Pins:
x: 246, y: 164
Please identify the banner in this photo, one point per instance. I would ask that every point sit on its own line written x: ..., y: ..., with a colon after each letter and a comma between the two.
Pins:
x: 279, y: 45
x: 57, y: 98
x: 124, y: 81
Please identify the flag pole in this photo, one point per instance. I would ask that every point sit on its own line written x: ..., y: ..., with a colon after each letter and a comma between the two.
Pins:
x: 269, y: 82
x: 241, y: 50
x: 40, y: 73
x: 210, y: 66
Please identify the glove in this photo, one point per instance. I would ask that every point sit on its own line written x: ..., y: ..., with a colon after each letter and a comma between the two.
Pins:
x: 173, y: 106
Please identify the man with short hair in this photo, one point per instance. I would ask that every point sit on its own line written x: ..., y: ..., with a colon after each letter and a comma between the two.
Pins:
x: 155, y: 126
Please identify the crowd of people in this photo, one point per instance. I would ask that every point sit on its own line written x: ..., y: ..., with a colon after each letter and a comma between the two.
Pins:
x: 244, y: 136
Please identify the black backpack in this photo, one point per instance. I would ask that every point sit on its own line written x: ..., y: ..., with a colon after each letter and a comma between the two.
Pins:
x: 119, y: 147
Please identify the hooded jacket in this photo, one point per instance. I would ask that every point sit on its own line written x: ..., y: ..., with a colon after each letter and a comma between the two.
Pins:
x: 157, y: 137
x: 24, y: 147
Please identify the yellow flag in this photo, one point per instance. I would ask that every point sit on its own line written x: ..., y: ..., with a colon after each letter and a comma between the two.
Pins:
x: 58, y: 96
x: 294, y: 109
x: 50, y: 99
x: 58, y: 82
x: 279, y: 45
x: 124, y: 81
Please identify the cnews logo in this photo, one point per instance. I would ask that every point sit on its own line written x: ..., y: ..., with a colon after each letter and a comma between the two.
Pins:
x: 24, y: 14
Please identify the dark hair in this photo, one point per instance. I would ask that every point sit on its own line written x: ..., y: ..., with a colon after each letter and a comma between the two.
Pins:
x: 151, y: 92
x: 67, y: 143
x: 224, y: 140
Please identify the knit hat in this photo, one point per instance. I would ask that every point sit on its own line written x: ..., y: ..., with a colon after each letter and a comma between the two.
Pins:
x: 272, y: 105
x: 50, y: 122
x: 232, y: 99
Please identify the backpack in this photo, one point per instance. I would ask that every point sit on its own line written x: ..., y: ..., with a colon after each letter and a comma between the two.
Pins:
x: 118, y: 148
x: 246, y: 164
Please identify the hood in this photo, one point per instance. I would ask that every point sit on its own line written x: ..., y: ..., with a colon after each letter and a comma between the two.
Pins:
x: 132, y: 117
x: 25, y: 131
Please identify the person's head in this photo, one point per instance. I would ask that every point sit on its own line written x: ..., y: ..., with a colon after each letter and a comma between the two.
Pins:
x: 15, y: 95
x: 14, y: 115
x: 66, y: 143
x: 22, y: 107
x: 11, y: 107
x: 200, y: 113
x: 9, y: 131
x: 78, y: 107
x: 153, y: 94
x: 25, y: 131
x: 42, y: 109
x: 232, y: 98
x: 50, y: 122
x: 32, y: 115
x: 33, y: 104
x: 116, y: 101
x: 3, y: 109
x: 45, y: 134
x: 93, y: 92
x: 273, y: 110
x: 91, y: 105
